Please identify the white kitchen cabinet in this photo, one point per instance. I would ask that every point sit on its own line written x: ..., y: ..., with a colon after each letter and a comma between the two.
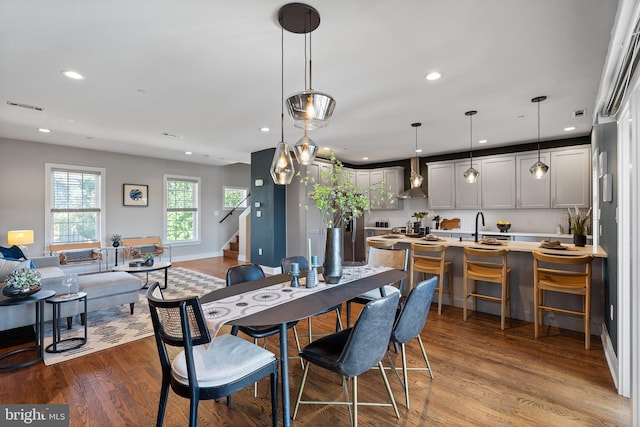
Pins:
x: 362, y: 181
x: 571, y: 178
x: 441, y: 185
x: 393, y: 179
x: 468, y: 195
x: 498, y: 182
x: 533, y: 193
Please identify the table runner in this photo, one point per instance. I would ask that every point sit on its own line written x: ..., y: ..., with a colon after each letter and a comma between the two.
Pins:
x: 224, y: 310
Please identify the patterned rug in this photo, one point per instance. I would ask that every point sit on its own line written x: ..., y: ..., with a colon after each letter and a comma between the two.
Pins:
x: 116, y: 326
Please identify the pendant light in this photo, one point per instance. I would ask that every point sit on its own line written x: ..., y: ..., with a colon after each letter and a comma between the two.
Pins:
x: 471, y: 175
x: 539, y: 169
x: 415, y: 179
x: 308, y: 109
x: 282, y: 169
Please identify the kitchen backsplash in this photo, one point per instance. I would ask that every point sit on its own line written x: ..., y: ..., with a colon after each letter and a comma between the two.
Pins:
x: 522, y: 220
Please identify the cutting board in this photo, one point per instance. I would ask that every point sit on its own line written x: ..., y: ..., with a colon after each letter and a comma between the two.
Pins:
x: 450, y: 224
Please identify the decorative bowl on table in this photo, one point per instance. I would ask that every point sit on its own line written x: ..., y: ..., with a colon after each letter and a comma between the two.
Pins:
x: 22, y: 283
x: 503, y: 226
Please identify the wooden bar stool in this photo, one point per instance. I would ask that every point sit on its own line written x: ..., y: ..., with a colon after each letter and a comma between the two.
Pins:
x: 384, y: 244
x: 430, y: 259
x: 487, y: 265
x: 547, y: 277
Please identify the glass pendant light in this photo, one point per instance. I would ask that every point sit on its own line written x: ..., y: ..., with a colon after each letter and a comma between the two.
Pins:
x: 539, y: 169
x: 282, y: 169
x: 308, y: 109
x: 414, y: 192
x: 471, y: 174
x: 305, y: 150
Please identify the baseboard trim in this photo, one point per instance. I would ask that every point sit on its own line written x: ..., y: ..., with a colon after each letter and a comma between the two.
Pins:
x: 610, y: 355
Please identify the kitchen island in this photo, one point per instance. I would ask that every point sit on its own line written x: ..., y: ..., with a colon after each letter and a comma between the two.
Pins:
x: 520, y: 261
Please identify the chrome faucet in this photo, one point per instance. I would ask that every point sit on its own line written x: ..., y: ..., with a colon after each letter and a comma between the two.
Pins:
x: 478, y: 215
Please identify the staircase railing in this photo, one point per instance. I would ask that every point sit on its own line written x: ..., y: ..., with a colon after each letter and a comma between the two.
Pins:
x: 234, y: 209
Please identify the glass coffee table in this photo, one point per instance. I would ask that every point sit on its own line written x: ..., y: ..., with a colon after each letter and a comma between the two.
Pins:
x: 157, y: 266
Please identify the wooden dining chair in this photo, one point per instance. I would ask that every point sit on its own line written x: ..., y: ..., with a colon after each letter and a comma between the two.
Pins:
x: 558, y: 273
x: 384, y: 244
x: 490, y: 266
x: 430, y: 259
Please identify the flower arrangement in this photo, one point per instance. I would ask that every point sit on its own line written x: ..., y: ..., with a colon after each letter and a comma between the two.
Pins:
x: 579, y: 222
x: 22, y: 282
x: 419, y: 215
x: 337, y: 198
x: 115, y: 240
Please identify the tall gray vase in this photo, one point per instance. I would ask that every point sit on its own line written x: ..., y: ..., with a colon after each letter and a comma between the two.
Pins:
x: 332, y: 267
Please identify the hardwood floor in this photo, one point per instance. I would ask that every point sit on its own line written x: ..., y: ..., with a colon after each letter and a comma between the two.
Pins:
x: 483, y: 377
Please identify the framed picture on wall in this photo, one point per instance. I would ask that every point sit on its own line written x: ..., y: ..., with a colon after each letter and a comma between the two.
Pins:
x: 135, y: 195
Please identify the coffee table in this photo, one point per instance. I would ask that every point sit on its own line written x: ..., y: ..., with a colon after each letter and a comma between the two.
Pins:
x: 146, y: 269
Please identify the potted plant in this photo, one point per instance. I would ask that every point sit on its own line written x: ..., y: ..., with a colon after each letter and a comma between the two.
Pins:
x: 22, y: 283
x: 579, y: 226
x: 339, y: 201
x: 148, y: 258
x: 418, y: 222
x: 115, y: 240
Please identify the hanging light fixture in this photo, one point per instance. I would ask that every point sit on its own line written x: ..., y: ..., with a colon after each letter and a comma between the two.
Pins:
x: 282, y: 169
x: 414, y: 192
x: 305, y: 150
x: 308, y: 109
x: 471, y: 175
x: 539, y: 169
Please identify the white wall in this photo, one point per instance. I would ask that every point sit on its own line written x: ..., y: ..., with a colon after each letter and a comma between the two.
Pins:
x: 22, y: 196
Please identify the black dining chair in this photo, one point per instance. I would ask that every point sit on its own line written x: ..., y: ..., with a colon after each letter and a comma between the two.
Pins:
x: 409, y: 324
x: 198, y: 372
x: 353, y: 351
x: 285, y: 265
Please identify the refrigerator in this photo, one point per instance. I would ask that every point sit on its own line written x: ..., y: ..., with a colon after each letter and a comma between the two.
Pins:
x: 354, y: 242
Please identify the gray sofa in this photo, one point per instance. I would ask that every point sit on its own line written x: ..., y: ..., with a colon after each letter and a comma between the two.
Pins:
x: 104, y: 290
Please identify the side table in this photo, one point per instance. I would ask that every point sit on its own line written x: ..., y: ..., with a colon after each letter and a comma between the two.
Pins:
x: 37, y: 300
x: 67, y: 343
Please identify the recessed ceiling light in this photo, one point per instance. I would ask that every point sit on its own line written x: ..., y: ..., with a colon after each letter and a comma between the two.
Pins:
x: 569, y: 129
x: 327, y: 148
x: 419, y: 150
x: 43, y: 130
x: 73, y: 75
x: 433, y: 76
x: 188, y: 153
x: 264, y: 129
x: 365, y: 158
x: 482, y: 141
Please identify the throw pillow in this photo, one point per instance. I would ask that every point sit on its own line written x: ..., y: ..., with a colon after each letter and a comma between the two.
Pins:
x: 13, y: 252
x: 7, y: 267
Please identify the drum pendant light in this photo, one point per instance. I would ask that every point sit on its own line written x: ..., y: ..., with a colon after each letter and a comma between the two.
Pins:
x: 471, y: 175
x: 282, y: 169
x: 308, y: 109
x: 539, y: 169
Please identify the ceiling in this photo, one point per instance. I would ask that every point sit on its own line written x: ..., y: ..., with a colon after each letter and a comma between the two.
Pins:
x: 209, y: 72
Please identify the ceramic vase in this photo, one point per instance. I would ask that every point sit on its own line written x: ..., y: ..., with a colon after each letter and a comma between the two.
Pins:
x: 332, y: 267
x: 579, y: 239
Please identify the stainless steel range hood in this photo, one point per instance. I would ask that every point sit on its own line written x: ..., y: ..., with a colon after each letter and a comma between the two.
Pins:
x: 413, y: 192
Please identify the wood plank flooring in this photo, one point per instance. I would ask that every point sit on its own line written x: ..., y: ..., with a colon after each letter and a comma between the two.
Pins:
x: 483, y: 377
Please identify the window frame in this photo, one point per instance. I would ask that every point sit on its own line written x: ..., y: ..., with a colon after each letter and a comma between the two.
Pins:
x: 198, y: 207
x: 243, y: 205
x: 48, y: 220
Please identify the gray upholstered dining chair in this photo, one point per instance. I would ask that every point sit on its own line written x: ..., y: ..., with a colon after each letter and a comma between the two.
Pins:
x: 198, y: 372
x: 409, y: 324
x: 354, y: 351
x: 285, y: 265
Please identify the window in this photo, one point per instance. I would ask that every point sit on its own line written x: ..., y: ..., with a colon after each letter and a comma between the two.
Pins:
x: 235, y: 197
x: 75, y: 200
x: 181, y: 208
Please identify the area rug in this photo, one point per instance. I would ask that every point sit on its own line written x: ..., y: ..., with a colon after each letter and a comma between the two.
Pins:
x: 116, y: 326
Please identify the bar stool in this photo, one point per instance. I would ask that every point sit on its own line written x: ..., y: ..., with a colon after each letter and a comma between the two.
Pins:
x: 575, y: 282
x: 486, y: 265
x: 430, y: 259
x: 384, y: 244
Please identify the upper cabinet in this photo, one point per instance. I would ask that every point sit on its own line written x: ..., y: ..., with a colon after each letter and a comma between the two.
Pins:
x: 532, y: 192
x: 441, y: 187
x: 393, y: 179
x: 506, y: 183
x: 498, y: 186
x: 571, y: 178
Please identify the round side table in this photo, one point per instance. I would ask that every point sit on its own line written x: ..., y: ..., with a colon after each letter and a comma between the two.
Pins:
x: 67, y: 343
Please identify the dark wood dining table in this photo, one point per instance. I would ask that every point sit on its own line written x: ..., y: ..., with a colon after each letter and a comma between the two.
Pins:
x: 298, y: 309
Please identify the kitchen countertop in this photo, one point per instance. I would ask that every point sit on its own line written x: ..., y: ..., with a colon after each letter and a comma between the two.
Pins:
x: 484, y: 232
x: 516, y: 246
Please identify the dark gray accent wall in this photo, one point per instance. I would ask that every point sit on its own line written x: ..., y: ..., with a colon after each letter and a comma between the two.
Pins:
x: 269, y: 231
x: 605, y: 138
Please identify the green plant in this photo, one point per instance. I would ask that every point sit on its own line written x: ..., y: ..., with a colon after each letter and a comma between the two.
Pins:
x: 22, y: 278
x: 337, y: 198
x: 419, y: 215
x: 147, y: 256
x: 116, y: 238
x: 579, y: 222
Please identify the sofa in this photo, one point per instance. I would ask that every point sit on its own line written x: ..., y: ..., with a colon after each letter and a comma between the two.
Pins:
x: 104, y: 290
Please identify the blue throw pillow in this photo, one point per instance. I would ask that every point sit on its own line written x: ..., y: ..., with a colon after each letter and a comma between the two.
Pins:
x: 13, y: 252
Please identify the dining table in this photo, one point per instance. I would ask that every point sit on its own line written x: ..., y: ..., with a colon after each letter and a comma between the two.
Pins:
x: 356, y: 281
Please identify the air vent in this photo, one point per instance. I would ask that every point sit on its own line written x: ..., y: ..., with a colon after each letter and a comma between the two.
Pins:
x: 171, y: 135
x: 579, y: 113
x: 30, y: 107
